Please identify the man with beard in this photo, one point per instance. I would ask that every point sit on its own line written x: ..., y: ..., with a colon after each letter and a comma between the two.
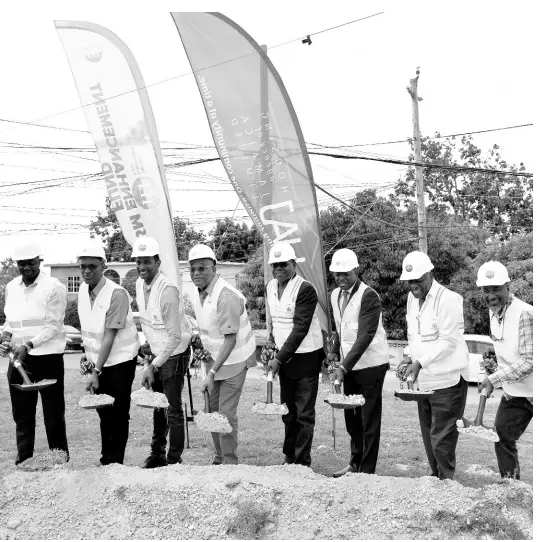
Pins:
x: 435, y: 327
x: 511, y: 329
x: 362, y: 347
x: 297, y: 333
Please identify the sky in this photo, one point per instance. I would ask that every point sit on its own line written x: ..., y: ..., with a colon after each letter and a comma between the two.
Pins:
x: 348, y: 88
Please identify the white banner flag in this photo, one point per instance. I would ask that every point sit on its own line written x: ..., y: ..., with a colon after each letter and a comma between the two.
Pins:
x: 119, y: 115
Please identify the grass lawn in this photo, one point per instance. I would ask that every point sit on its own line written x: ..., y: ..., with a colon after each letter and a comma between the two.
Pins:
x: 261, y: 436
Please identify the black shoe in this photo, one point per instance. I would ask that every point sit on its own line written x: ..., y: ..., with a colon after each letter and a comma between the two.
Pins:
x: 153, y: 462
x: 288, y: 461
x: 105, y: 461
x: 216, y: 463
x: 345, y: 470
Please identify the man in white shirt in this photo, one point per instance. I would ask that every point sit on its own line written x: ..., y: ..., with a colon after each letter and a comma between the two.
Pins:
x: 511, y: 329
x: 164, y: 327
x: 35, y: 310
x: 435, y: 327
x: 226, y: 333
x: 111, y: 343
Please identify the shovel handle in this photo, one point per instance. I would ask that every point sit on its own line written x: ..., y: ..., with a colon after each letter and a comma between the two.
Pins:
x: 269, y: 387
x: 481, y: 407
x: 410, y: 383
x: 337, y: 386
x: 17, y: 364
x: 207, y: 402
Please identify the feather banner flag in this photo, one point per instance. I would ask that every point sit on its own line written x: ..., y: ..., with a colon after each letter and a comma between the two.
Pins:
x: 258, y: 138
x: 120, y: 118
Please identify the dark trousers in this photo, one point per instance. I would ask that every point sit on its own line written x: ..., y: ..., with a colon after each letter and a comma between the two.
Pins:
x: 438, y: 414
x: 24, y: 404
x: 363, y: 423
x: 170, y: 381
x: 299, y: 394
x: 116, y: 381
x: 512, y: 418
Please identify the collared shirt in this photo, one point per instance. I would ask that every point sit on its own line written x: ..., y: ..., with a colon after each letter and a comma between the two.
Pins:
x: 524, y: 367
x: 169, y: 308
x: 116, y: 315
x: 229, y: 308
x: 55, y: 310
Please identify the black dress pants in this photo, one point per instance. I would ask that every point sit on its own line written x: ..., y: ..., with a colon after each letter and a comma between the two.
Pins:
x: 512, y: 419
x: 24, y: 404
x: 363, y: 423
x: 116, y: 381
x: 170, y: 381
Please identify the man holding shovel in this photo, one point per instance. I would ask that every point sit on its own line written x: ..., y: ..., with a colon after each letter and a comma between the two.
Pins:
x: 511, y: 329
x: 362, y: 347
x: 168, y: 340
x: 435, y: 327
x: 111, y: 343
x: 226, y: 333
x: 35, y: 310
x: 297, y: 333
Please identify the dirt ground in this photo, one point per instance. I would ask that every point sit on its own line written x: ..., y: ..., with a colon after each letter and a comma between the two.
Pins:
x: 249, y: 502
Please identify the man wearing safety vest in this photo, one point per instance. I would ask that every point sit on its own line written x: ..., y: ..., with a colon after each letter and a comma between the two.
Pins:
x: 362, y: 347
x: 226, y: 333
x: 297, y: 333
x: 511, y: 329
x: 168, y: 341
x: 435, y: 327
x: 35, y: 310
x: 111, y: 343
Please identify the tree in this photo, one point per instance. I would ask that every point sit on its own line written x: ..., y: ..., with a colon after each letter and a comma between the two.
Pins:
x: 499, y: 202
x: 118, y: 250
x: 8, y: 268
x: 517, y: 255
x: 233, y: 241
x: 252, y: 285
x: 129, y: 283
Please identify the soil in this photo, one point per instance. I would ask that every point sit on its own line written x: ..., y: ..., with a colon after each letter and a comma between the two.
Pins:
x: 249, y: 502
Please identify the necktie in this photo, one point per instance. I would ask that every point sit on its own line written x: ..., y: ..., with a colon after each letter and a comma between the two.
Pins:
x: 344, y: 300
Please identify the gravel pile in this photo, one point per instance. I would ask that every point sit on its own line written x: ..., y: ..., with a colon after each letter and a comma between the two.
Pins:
x: 149, y: 399
x: 249, y: 502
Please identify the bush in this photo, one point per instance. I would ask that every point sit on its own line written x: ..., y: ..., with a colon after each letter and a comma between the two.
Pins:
x: 71, y: 315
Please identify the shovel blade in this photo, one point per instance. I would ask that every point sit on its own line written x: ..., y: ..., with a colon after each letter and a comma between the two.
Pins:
x: 36, y: 386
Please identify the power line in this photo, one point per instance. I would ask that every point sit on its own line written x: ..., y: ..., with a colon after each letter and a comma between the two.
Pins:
x: 44, y: 126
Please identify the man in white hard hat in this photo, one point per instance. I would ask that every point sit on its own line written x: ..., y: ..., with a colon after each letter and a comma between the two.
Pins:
x: 511, y: 329
x: 111, y: 343
x: 169, y: 342
x: 435, y: 327
x: 226, y: 333
x: 296, y: 330
x: 35, y: 309
x: 362, y: 348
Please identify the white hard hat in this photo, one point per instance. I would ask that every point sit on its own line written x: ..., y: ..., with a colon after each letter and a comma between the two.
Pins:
x: 281, y: 252
x: 199, y: 252
x: 92, y: 249
x: 145, y: 246
x: 343, y: 260
x: 492, y: 274
x: 27, y: 251
x: 415, y: 265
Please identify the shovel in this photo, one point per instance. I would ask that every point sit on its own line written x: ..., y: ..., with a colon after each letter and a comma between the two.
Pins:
x: 270, y: 408
x: 477, y: 428
x: 145, y: 397
x: 410, y: 394
x: 213, y: 422
x: 343, y: 402
x: 94, y: 401
x: 28, y: 385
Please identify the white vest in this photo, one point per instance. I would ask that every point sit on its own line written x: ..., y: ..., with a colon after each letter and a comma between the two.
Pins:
x: 151, y: 317
x: 507, y: 349
x: 347, y: 327
x: 211, y: 337
x: 25, y: 314
x: 92, y: 321
x: 282, y: 312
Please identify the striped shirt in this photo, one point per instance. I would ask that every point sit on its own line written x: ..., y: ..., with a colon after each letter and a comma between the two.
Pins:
x: 169, y: 308
x: 55, y: 310
x: 524, y: 366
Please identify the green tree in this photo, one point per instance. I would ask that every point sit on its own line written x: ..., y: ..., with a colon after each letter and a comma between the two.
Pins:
x: 251, y: 284
x: 234, y: 241
x: 499, y: 202
x: 129, y: 283
x: 517, y: 255
x: 106, y: 226
x: 71, y: 315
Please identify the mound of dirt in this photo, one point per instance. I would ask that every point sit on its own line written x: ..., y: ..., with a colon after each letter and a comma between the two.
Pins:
x: 249, y: 502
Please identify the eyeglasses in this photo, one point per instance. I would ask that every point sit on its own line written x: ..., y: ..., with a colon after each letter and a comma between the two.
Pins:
x: 279, y: 265
x: 31, y: 263
x: 200, y: 268
x: 89, y: 267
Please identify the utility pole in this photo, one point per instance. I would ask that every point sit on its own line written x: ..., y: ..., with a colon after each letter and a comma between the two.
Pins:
x: 420, y: 200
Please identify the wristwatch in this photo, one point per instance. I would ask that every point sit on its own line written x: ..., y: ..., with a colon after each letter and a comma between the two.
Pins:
x: 95, y: 370
x: 28, y: 345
